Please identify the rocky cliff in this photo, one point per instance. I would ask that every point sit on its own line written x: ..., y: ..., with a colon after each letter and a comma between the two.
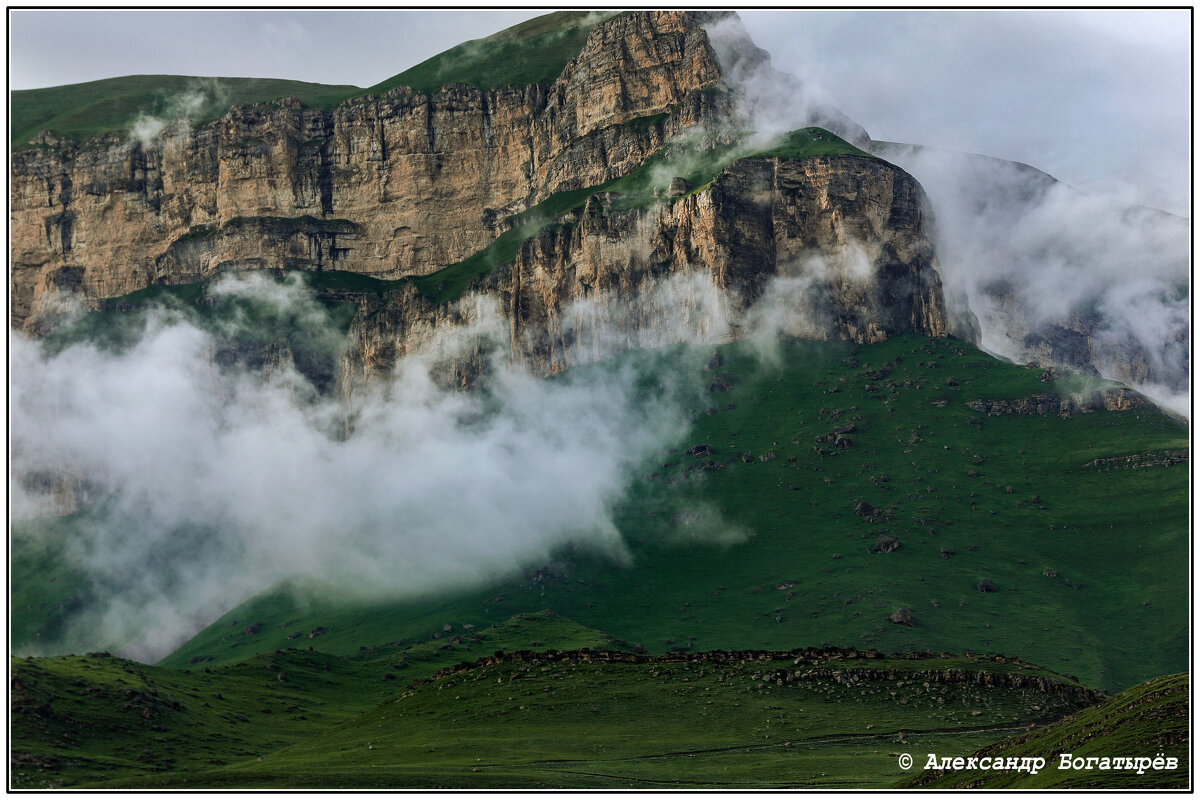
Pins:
x: 844, y: 233
x: 405, y: 184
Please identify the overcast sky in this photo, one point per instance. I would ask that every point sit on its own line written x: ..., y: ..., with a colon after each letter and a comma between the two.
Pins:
x: 1100, y: 99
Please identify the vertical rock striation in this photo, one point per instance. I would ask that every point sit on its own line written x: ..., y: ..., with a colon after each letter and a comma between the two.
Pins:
x: 829, y: 247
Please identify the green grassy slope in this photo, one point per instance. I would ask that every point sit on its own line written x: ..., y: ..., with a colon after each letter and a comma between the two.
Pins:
x: 533, y: 52
x: 89, y: 718
x: 536, y: 51
x: 83, y: 718
x: 45, y: 589
x: 696, y: 161
x: 1147, y: 721
x: 303, y: 719
x: 766, y: 551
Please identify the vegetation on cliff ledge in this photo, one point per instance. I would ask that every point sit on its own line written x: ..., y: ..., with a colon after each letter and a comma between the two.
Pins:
x: 696, y: 160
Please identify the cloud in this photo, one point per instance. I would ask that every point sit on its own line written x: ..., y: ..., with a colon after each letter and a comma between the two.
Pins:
x: 1116, y: 104
x: 225, y: 480
x: 771, y: 102
x: 223, y: 472
x: 1051, y: 273
x: 1027, y: 252
x: 203, y: 96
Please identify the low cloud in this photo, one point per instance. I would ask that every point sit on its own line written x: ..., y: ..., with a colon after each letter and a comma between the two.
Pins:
x: 771, y: 102
x: 1049, y: 272
x: 225, y: 481
x: 202, y: 97
x: 1026, y: 252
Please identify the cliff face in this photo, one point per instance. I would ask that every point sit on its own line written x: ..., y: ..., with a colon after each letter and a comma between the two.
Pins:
x: 409, y: 182
x: 405, y: 183
x: 832, y: 247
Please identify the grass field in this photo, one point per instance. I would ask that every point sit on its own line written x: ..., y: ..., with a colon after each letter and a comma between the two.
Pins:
x: 304, y: 719
x: 760, y: 529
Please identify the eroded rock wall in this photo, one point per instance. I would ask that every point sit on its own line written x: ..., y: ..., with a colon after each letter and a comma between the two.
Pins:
x: 404, y: 183
x: 828, y: 247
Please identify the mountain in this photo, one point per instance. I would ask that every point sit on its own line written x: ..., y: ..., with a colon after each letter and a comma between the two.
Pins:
x: 413, y: 182
x: 456, y: 163
x: 580, y: 372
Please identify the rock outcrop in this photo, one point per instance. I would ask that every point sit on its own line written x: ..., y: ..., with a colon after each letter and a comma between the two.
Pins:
x: 828, y: 248
x: 1100, y: 398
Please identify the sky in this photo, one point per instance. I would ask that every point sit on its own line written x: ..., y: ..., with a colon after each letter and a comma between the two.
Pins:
x: 1098, y: 98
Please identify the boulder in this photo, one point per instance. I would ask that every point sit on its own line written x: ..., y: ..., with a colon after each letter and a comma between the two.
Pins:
x: 863, y: 509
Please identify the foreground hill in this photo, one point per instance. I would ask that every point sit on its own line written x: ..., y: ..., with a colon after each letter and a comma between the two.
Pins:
x: 300, y: 718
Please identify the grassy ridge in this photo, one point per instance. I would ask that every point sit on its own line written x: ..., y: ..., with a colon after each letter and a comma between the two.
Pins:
x: 765, y: 551
x: 533, y: 52
x: 84, y: 718
x: 301, y: 718
x: 82, y: 111
x: 79, y: 719
x: 671, y: 725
